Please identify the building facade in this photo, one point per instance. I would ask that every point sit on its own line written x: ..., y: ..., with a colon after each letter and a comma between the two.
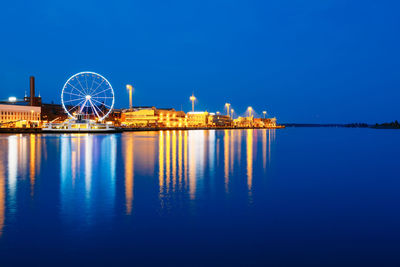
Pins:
x: 153, y: 117
x: 244, y: 122
x: 139, y: 117
x: 265, y: 123
x: 217, y: 120
x: 171, y: 118
x: 197, y: 119
x: 19, y: 116
x: 53, y: 112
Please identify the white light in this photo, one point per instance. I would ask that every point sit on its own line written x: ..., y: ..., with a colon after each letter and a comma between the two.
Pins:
x: 88, y: 97
x: 12, y: 99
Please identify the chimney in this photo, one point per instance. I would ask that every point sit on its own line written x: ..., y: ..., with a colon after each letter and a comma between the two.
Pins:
x: 32, y: 83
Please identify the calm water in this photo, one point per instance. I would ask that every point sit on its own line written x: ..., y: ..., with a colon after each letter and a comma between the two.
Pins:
x: 296, y: 196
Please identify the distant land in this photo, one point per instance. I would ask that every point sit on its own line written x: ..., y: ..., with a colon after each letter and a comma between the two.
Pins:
x: 386, y: 125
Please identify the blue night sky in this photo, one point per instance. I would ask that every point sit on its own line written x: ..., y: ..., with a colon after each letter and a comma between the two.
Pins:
x: 302, y: 61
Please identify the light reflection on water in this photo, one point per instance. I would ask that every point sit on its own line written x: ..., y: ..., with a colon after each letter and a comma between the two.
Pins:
x: 88, y: 167
x: 241, y: 196
x: 92, y: 166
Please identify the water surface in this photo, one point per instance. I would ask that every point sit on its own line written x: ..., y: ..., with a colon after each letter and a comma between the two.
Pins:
x: 295, y: 196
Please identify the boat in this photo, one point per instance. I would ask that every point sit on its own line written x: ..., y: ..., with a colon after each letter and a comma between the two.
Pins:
x: 79, y: 125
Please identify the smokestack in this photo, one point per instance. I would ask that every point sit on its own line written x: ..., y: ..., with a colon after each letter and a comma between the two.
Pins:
x: 32, y: 83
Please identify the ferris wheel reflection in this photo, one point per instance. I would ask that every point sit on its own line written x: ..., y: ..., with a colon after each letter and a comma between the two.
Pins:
x: 88, y: 173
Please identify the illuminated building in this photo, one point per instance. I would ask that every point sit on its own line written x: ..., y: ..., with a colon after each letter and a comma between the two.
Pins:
x: 115, y: 117
x: 19, y: 116
x: 144, y: 117
x: 255, y: 122
x: 243, y: 122
x: 218, y: 120
x: 197, y: 119
x: 265, y: 123
x: 53, y: 112
x: 48, y: 112
x: 170, y: 118
x: 153, y: 117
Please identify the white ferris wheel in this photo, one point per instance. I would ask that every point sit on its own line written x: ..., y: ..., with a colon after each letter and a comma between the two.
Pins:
x: 88, y: 94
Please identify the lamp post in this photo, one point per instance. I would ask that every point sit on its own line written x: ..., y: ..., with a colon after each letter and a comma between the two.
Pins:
x: 249, y: 109
x: 232, y: 113
x: 130, y: 88
x: 227, y: 105
x: 265, y: 113
x: 192, y: 98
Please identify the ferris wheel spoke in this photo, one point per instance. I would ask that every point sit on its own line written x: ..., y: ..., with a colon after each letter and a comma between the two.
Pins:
x: 101, y: 103
x: 83, y: 94
x: 76, y: 99
x: 98, y: 85
x: 104, y: 113
x: 84, y: 104
x: 75, y: 106
x: 73, y: 94
x: 109, y: 88
x: 103, y: 97
x: 81, y: 85
x: 94, y: 108
x: 97, y: 107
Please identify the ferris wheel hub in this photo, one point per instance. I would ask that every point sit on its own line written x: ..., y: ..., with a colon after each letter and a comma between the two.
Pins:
x: 88, y: 97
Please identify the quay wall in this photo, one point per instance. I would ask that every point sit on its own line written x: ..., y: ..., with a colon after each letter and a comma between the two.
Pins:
x: 120, y: 130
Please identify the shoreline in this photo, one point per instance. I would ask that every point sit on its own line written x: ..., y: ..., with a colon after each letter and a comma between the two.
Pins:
x: 349, y: 125
x: 122, y: 130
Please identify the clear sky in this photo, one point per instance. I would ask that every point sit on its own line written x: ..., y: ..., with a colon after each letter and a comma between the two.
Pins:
x: 302, y: 61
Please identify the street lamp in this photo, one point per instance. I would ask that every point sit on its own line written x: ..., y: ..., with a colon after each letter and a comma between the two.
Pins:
x: 227, y: 105
x: 232, y: 113
x: 192, y: 98
x: 265, y: 113
x: 130, y: 88
x: 249, y: 109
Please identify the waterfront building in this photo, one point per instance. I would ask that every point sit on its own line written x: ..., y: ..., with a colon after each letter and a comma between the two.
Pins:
x: 171, y: 118
x: 115, y: 117
x: 19, y: 116
x: 153, y: 117
x: 197, y: 119
x: 217, y: 120
x: 244, y: 122
x: 265, y: 123
x: 23, y: 111
x: 139, y: 117
x: 53, y: 112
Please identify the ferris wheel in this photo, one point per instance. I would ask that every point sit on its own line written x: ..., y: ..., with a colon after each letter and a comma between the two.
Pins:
x: 89, y: 94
